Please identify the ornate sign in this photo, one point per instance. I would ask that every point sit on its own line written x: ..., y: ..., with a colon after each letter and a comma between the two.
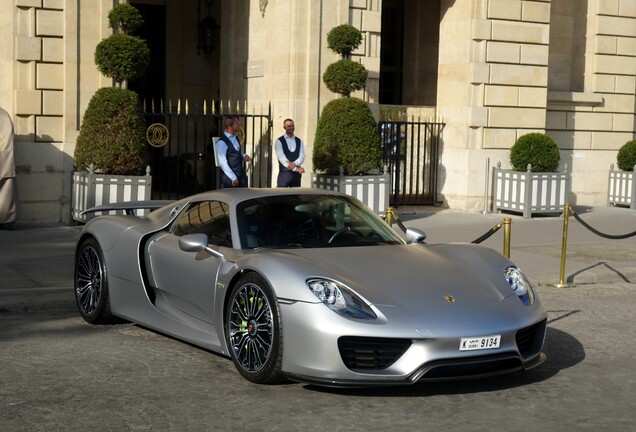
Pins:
x: 157, y: 135
x: 241, y: 135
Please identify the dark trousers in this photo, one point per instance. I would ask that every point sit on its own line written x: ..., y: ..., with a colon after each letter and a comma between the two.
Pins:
x: 288, y: 179
x: 227, y: 183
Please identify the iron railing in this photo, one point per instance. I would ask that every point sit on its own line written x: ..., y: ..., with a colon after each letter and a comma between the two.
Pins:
x: 186, y: 164
x: 411, y: 150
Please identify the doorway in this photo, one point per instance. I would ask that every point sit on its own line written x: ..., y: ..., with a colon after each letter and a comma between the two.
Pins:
x: 151, y: 86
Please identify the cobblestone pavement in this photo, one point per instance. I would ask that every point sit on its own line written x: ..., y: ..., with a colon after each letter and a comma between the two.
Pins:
x: 59, y: 373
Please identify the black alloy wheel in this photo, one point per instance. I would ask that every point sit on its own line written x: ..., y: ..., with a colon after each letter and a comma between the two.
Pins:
x: 91, y: 283
x: 253, y: 330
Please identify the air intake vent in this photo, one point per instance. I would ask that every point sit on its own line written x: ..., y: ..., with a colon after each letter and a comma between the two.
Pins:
x: 526, y: 338
x: 371, y: 353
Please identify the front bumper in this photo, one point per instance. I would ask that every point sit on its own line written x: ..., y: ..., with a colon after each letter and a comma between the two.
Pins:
x: 312, y: 353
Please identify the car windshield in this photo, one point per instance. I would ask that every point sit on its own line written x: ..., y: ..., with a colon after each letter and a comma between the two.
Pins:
x: 310, y: 221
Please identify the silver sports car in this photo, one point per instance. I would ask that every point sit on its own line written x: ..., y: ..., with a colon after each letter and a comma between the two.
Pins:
x: 311, y: 286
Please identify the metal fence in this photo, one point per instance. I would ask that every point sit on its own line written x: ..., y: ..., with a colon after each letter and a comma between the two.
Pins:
x: 185, y: 161
x: 411, y: 152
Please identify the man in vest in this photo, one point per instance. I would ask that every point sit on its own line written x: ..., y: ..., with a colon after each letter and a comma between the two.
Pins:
x: 291, y: 154
x: 229, y: 155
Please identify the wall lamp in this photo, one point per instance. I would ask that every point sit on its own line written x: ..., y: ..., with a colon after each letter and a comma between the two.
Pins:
x: 207, y: 28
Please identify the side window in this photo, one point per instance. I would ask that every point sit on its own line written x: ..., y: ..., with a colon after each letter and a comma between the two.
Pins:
x: 207, y: 217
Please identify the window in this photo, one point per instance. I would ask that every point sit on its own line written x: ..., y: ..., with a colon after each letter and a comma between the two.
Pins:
x: 309, y: 221
x: 207, y: 217
x: 568, y: 27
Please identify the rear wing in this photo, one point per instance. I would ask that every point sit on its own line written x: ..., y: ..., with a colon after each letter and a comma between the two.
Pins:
x: 128, y: 207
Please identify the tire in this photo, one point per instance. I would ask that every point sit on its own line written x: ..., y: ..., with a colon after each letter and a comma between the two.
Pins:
x: 91, y: 283
x: 253, y: 330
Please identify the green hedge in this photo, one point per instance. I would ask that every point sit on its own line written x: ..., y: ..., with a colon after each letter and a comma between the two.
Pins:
x: 113, y: 134
x: 125, y: 17
x: 345, y: 76
x: 346, y: 136
x: 627, y: 156
x: 343, y: 39
x: 536, y: 149
x: 122, y: 57
x: 346, y: 133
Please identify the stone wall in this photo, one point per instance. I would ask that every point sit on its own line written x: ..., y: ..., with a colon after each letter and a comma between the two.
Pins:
x: 591, y: 111
x: 564, y: 67
x: 52, y: 78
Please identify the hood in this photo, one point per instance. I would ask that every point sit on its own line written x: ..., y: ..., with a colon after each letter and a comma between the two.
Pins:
x: 417, y: 278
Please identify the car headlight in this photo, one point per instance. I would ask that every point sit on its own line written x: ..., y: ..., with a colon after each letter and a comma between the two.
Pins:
x: 340, y: 299
x: 519, y: 284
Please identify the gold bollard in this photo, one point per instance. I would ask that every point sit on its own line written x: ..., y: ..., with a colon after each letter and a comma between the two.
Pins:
x: 389, y: 216
x: 506, y: 245
x: 564, y: 244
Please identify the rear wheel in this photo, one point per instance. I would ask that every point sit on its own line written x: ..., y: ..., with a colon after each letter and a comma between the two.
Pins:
x: 253, y: 330
x: 91, y: 283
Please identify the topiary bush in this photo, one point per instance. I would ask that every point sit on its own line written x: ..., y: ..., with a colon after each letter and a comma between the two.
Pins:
x: 626, y: 157
x: 113, y: 134
x: 122, y: 57
x: 125, y: 18
x: 343, y: 39
x: 345, y: 76
x: 113, y: 131
x: 536, y: 149
x: 346, y: 136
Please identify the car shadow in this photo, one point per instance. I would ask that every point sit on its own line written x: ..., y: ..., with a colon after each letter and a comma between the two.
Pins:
x: 562, y: 349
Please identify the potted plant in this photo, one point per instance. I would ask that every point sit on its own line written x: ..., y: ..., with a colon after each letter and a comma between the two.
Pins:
x: 111, y: 153
x: 347, y: 155
x: 622, y: 188
x: 533, y: 185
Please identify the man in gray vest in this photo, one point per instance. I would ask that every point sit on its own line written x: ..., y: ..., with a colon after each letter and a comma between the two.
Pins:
x: 229, y: 155
x: 291, y: 155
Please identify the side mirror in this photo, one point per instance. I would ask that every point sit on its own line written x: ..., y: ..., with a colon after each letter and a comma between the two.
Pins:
x: 193, y: 242
x: 415, y: 235
x: 197, y: 243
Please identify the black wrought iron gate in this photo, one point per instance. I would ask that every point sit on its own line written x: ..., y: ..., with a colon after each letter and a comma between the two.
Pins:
x: 411, y: 153
x: 183, y: 160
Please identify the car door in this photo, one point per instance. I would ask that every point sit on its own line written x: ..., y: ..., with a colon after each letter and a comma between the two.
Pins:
x: 187, y: 280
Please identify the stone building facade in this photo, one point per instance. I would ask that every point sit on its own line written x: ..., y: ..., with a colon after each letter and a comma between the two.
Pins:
x: 492, y: 70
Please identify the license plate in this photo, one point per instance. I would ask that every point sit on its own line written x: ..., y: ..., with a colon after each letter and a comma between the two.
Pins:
x: 479, y: 343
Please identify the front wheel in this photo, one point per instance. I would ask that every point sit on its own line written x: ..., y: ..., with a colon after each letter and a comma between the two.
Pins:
x: 91, y: 283
x: 253, y: 330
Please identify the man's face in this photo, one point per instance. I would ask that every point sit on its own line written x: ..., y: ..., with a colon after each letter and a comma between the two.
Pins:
x: 289, y: 127
x: 235, y: 126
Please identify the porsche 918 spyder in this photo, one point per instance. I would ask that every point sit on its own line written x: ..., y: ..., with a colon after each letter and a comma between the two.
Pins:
x: 311, y: 286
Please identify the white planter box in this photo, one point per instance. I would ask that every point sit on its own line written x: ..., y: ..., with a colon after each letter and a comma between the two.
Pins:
x: 373, y: 190
x: 530, y: 192
x: 622, y: 188
x: 90, y: 190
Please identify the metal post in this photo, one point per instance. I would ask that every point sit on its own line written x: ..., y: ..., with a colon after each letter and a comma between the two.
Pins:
x: 486, y: 185
x: 506, y: 245
x: 389, y: 217
x: 566, y: 216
